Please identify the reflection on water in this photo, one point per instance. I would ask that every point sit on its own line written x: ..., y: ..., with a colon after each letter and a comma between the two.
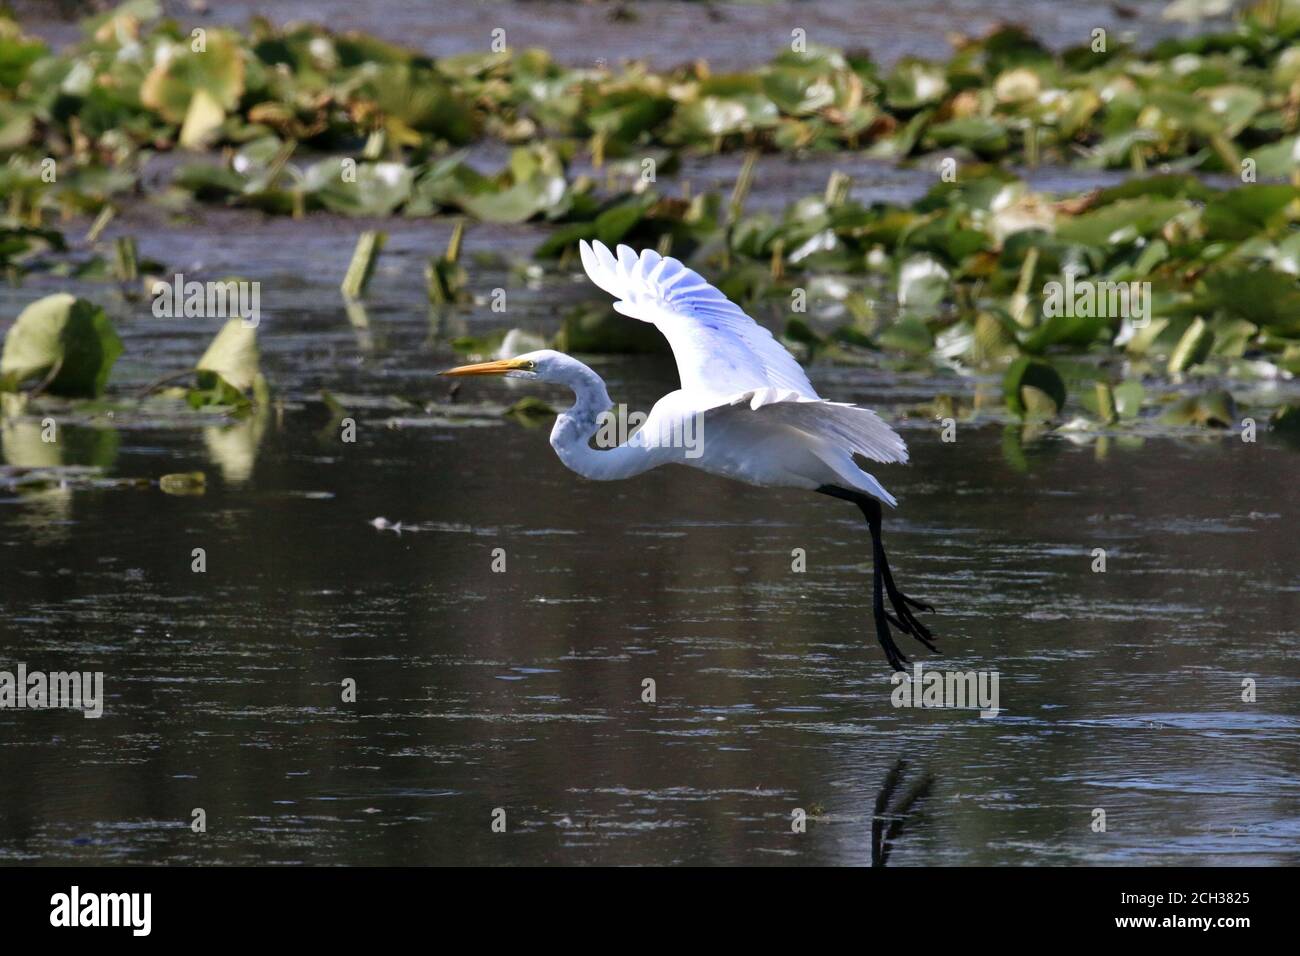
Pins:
x: 233, y: 447
x: 892, y: 816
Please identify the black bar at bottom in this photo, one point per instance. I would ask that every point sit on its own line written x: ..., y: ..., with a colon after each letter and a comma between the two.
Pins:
x: 334, y: 905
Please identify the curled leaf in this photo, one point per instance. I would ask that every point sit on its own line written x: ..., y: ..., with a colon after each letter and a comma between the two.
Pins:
x: 61, y: 336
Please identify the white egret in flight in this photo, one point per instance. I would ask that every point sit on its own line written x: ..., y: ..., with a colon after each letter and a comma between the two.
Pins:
x: 758, y: 417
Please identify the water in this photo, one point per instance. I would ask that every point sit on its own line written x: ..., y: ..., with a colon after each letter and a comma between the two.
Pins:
x: 522, y: 690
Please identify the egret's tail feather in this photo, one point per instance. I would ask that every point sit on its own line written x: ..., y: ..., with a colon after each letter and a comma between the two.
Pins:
x: 853, y: 476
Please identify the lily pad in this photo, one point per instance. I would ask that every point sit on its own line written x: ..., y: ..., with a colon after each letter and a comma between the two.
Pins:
x: 530, y: 411
x: 1192, y: 348
x: 1120, y: 222
x: 184, y: 483
x: 65, y: 336
x: 1128, y: 399
x: 229, y: 365
x: 922, y: 283
x: 915, y: 83
x: 376, y: 189
x: 1211, y: 410
x: 1033, y: 388
x: 181, y: 72
x: 1265, y: 297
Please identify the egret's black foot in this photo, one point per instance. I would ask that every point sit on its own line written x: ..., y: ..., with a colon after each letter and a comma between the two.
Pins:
x: 897, y: 659
x: 919, y: 605
x: 906, y: 620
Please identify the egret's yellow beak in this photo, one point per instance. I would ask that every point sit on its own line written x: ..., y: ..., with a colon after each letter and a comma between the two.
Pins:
x: 488, y: 368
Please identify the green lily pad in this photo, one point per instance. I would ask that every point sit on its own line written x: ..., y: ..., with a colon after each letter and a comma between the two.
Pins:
x: 1265, y: 297
x: 1128, y: 399
x: 211, y: 390
x: 535, y: 185
x: 1247, y: 211
x: 1211, y: 410
x: 65, y: 333
x: 1192, y: 348
x: 412, y: 99
x: 184, y: 483
x: 217, y: 71
x: 1033, y: 388
x: 980, y: 134
x: 1277, y: 159
x: 923, y: 282
x: 800, y: 332
x: 479, y: 348
x: 376, y: 189
x: 710, y: 117
x: 232, y: 357
x: 530, y: 411
x: 1233, y: 106
x: 1120, y: 222
x: 915, y: 83
x: 17, y: 54
x: 1065, y: 330
x: 909, y: 335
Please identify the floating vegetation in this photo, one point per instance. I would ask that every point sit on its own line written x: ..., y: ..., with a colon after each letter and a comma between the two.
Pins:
x: 1207, y: 100
x: 67, y: 347
x: 530, y: 412
x: 362, y: 266
x: 138, y: 83
x: 1214, y: 409
x: 184, y: 483
x: 228, y: 371
x: 66, y: 342
x: 445, y: 279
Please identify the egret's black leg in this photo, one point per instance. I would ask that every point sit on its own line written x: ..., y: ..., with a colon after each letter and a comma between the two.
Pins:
x: 897, y: 659
x: 883, y: 584
x: 906, y: 620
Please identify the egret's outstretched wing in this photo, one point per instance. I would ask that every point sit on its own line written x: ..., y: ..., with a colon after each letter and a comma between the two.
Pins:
x: 720, y: 351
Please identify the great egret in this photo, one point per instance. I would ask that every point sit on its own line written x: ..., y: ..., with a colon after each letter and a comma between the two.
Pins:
x: 758, y: 418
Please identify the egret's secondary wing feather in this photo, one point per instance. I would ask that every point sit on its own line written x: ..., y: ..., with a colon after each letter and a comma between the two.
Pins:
x: 857, y: 430
x: 719, y: 349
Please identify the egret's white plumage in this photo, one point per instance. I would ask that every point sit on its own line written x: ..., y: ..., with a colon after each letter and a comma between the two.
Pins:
x: 749, y: 404
x: 749, y: 389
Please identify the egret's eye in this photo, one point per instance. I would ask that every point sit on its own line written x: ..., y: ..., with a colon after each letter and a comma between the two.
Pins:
x: 531, y: 365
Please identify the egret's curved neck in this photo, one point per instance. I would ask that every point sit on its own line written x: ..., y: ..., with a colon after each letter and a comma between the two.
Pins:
x: 574, y: 429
